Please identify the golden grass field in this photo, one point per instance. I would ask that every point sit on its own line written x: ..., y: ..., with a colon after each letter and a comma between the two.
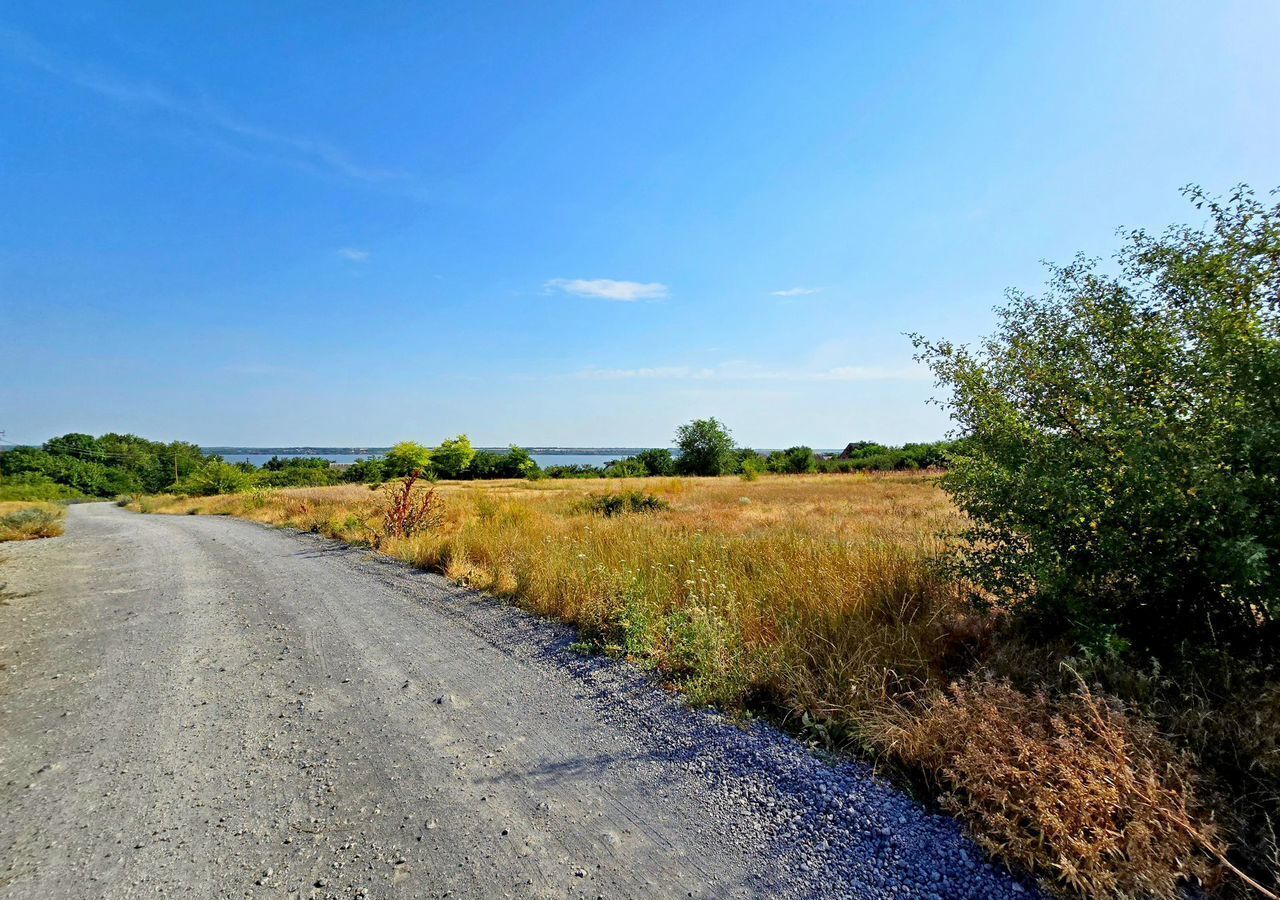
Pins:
x: 22, y: 520
x: 819, y: 599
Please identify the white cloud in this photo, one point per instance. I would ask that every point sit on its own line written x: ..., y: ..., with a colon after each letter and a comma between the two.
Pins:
x: 795, y: 292
x: 742, y: 371
x: 354, y: 255
x: 608, y: 289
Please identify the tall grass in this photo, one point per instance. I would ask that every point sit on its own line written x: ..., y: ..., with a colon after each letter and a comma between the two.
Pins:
x: 820, y: 599
x: 24, y: 521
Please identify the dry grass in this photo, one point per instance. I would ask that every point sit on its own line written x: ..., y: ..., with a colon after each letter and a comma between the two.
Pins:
x: 22, y: 520
x: 817, y: 598
x: 1070, y: 786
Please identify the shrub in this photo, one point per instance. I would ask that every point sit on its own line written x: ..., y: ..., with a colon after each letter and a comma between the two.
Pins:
x: 626, y: 468
x: 404, y: 459
x: 794, y: 460
x: 451, y: 458
x: 22, y: 521
x: 656, y: 461
x: 364, y: 471
x: 610, y: 505
x: 706, y: 448
x: 404, y: 514
x: 1121, y: 465
x: 1071, y: 788
x: 752, y: 467
x: 33, y: 486
x: 215, y: 477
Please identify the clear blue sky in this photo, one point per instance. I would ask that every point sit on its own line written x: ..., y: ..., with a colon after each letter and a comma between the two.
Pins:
x: 576, y: 224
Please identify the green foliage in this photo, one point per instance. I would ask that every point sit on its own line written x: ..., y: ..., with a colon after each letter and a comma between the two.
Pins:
x: 752, y: 467
x: 296, y: 476
x: 33, y: 486
x: 706, y: 448
x: 105, y: 466
x: 405, y: 458
x: 514, y: 463
x: 656, y: 461
x: 279, y: 464
x: 610, y: 505
x: 214, y: 477
x: 794, y: 460
x: 451, y: 458
x: 626, y: 468
x: 365, y: 471
x: 574, y: 470
x: 1122, y: 460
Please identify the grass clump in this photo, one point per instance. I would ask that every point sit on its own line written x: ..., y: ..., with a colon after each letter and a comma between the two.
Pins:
x: 610, y: 505
x: 23, y: 521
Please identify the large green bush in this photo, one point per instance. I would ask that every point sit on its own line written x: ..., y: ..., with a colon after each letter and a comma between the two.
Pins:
x: 1122, y: 461
x: 706, y: 448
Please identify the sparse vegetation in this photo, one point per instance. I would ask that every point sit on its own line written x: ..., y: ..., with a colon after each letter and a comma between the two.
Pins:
x: 24, y: 521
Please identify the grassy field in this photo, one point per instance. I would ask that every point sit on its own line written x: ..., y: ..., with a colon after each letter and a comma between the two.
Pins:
x: 22, y: 520
x: 819, y: 600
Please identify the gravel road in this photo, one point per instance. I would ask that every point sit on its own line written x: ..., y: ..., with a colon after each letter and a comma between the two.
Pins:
x: 203, y: 707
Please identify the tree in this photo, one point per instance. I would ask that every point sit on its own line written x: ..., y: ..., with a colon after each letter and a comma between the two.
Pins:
x: 793, y: 460
x: 405, y: 458
x: 1121, y: 462
x: 657, y: 461
x: 364, y: 470
x: 214, y: 477
x: 706, y: 448
x: 451, y: 458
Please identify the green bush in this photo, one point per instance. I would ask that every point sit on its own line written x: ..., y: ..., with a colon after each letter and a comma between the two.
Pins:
x: 1122, y: 457
x: 626, y: 468
x: 794, y: 460
x: 656, y: 461
x: 33, y: 486
x: 404, y: 459
x: 706, y: 448
x: 214, y: 477
x: 451, y: 458
x: 364, y: 470
x: 610, y: 505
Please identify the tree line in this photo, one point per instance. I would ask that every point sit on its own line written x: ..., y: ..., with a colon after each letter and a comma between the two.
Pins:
x: 75, y: 466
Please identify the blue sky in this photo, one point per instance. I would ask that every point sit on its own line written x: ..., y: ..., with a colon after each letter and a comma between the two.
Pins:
x: 575, y: 224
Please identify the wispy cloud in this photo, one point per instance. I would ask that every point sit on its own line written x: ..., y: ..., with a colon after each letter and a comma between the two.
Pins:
x: 795, y: 292
x: 742, y: 371
x: 353, y: 254
x: 608, y: 289
x: 203, y: 118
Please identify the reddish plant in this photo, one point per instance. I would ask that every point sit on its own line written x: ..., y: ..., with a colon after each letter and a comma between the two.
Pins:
x: 405, y: 514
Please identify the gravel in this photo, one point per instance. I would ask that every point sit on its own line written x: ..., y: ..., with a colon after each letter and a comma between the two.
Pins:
x: 245, y: 712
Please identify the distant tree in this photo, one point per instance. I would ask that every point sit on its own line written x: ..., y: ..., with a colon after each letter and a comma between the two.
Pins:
x: 626, y: 468
x: 793, y: 460
x: 706, y: 448
x: 1121, y: 466
x: 656, y: 461
x: 368, y: 471
x: 451, y: 458
x: 214, y: 477
x: 405, y: 458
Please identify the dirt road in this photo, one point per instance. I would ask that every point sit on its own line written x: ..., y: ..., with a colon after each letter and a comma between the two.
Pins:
x: 203, y: 707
